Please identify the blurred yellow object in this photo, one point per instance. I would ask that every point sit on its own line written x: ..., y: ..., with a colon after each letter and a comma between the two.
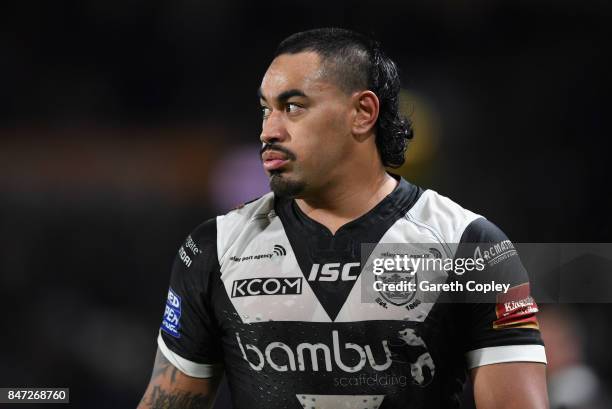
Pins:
x: 426, y: 125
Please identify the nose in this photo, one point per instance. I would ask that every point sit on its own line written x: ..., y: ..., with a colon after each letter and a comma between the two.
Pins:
x: 273, y: 129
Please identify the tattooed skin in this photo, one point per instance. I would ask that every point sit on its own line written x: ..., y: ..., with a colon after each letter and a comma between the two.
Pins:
x: 169, y: 389
x: 161, y: 399
x: 162, y: 366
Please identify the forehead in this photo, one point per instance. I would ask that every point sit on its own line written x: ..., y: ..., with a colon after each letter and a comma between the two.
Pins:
x: 302, y: 71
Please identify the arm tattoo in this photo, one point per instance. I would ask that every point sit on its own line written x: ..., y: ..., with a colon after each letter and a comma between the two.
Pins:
x: 162, y: 366
x: 170, y: 394
x: 161, y: 399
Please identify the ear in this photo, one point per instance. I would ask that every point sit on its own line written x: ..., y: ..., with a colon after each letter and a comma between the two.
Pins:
x: 366, y: 107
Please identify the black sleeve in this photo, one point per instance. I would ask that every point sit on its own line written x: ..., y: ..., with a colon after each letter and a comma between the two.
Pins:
x: 189, y: 336
x: 500, y: 326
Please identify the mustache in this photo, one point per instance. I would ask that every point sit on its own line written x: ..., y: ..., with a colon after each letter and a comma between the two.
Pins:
x: 274, y: 147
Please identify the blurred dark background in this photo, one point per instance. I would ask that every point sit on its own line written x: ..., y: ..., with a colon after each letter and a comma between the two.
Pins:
x: 123, y: 125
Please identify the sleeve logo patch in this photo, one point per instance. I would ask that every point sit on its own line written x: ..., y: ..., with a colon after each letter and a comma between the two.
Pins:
x: 184, y: 257
x: 516, y: 309
x: 172, y: 315
x: 496, y: 252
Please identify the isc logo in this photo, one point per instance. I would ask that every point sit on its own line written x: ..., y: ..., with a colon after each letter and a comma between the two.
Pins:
x: 334, y: 271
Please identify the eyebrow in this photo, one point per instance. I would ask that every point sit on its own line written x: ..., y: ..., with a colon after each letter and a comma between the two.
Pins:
x: 284, y: 96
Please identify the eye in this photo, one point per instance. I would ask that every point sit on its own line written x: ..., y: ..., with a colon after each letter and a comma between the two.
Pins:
x: 265, y: 112
x: 292, y: 108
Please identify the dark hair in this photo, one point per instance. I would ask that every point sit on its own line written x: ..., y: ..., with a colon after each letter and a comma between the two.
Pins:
x: 357, y: 62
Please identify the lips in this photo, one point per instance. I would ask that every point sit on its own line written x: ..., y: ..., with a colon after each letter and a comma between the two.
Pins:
x: 273, y: 160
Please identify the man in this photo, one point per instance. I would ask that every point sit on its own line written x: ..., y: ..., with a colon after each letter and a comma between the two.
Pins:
x: 270, y: 293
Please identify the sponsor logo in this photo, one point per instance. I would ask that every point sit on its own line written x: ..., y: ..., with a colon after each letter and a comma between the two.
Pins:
x: 432, y: 252
x: 314, y: 354
x: 345, y: 357
x: 184, y: 257
x: 496, y: 253
x: 267, y: 286
x: 334, y: 272
x: 376, y: 379
x: 190, y: 244
x: 277, y: 251
x: 516, y: 309
x: 172, y: 314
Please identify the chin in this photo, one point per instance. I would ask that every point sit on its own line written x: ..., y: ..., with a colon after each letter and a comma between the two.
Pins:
x: 283, y: 186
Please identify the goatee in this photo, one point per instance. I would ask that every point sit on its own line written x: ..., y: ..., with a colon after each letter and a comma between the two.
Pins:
x: 283, y: 187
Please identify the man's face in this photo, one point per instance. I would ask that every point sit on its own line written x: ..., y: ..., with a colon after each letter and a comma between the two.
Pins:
x: 306, y: 125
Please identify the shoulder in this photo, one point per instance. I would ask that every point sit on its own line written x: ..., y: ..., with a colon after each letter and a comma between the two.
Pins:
x: 255, y: 209
x: 442, y: 215
x: 223, y: 230
x: 209, y: 240
x: 482, y: 230
x: 236, y: 219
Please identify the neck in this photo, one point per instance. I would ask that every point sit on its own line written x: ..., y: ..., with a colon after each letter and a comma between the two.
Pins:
x: 341, y: 202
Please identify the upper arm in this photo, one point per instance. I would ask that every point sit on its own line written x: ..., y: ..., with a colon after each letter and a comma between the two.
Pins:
x: 189, y: 361
x: 190, y: 333
x: 170, y: 388
x: 520, y: 385
x: 504, y: 350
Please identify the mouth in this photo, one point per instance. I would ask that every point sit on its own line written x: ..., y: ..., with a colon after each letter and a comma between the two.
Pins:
x: 274, y: 160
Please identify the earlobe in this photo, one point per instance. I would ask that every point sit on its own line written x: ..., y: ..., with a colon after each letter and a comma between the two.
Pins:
x: 366, y: 112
